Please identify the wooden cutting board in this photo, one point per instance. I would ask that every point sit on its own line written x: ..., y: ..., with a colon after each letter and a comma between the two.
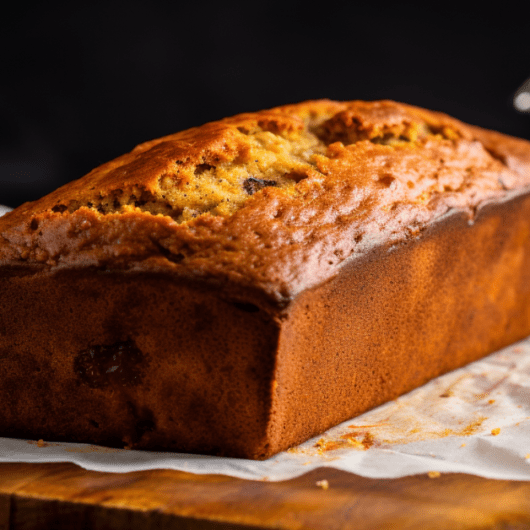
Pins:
x: 64, y: 496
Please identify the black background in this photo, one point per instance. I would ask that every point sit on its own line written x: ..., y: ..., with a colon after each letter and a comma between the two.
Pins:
x: 84, y: 84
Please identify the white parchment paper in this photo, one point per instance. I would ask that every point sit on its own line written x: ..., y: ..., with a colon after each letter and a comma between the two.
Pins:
x: 3, y: 210
x: 473, y: 420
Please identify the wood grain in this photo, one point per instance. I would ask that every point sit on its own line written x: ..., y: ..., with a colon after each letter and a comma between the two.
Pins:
x: 65, y: 496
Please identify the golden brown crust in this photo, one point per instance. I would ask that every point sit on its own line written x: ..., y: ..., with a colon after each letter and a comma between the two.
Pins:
x: 311, y: 186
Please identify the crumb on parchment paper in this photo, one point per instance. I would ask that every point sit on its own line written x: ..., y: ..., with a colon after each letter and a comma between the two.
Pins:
x: 324, y: 484
x: 495, y: 432
x: 38, y: 443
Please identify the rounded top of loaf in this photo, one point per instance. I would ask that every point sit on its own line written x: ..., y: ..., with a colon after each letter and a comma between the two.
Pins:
x: 275, y: 200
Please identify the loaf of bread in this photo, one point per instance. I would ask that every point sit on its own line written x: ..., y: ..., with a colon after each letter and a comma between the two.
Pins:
x: 239, y: 287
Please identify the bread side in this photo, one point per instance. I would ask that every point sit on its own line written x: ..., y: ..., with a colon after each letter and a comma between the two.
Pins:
x: 134, y: 360
x: 403, y: 315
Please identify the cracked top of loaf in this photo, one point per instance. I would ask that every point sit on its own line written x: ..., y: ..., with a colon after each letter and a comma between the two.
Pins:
x: 277, y: 200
